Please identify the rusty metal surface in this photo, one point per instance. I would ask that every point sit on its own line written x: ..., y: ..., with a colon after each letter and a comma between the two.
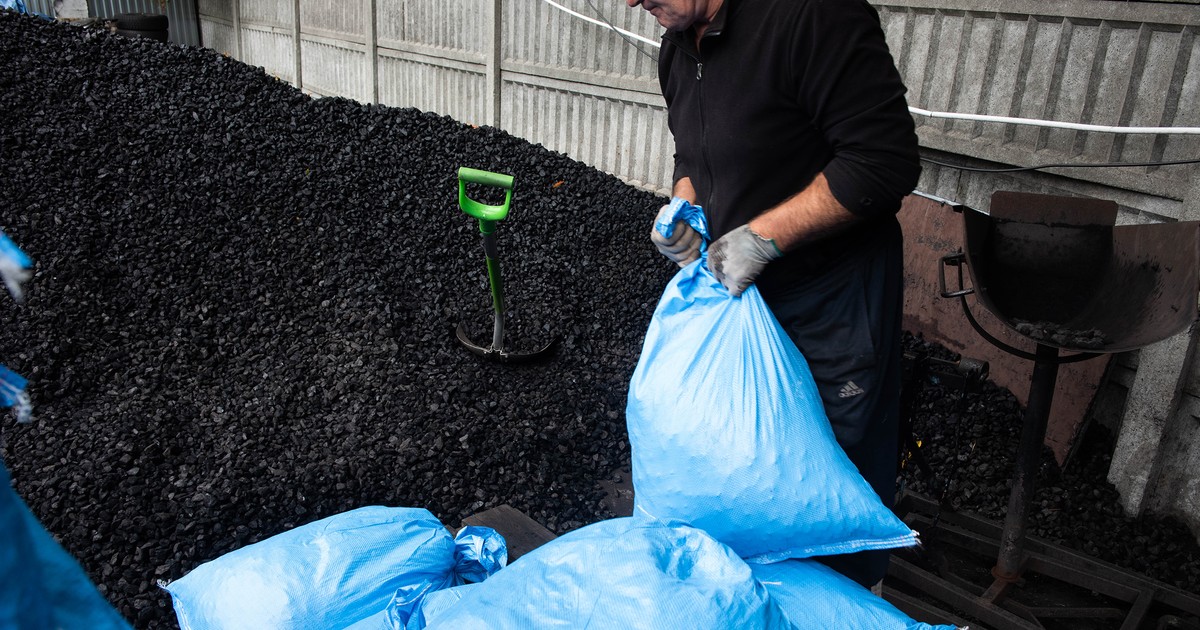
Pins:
x: 1009, y: 563
x: 1055, y: 270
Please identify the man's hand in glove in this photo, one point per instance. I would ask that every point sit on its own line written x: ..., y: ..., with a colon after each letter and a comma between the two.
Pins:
x: 737, y: 258
x: 683, y: 246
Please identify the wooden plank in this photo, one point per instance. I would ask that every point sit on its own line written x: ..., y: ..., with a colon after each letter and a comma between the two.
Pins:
x: 618, y: 493
x: 521, y: 533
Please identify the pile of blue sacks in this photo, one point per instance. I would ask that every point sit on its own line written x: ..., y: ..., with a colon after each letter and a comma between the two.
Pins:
x: 738, y: 485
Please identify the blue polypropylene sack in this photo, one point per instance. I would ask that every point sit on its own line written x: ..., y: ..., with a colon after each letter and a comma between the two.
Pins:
x: 15, y: 5
x: 13, y: 394
x: 43, y: 586
x: 428, y: 609
x: 620, y: 573
x: 332, y: 573
x: 729, y: 434
x: 414, y: 608
x: 479, y: 552
x: 815, y: 596
x: 15, y: 266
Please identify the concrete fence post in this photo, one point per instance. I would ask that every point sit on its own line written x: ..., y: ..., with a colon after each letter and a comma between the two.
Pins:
x: 236, y: 8
x: 494, y: 54
x: 297, y: 66
x: 1154, y: 401
x: 372, y: 51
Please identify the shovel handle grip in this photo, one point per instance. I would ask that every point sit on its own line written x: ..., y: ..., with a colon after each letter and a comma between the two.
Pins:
x: 487, y: 214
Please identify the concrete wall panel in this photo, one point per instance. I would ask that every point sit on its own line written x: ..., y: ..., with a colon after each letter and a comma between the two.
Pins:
x: 1004, y: 92
x: 452, y: 92
x: 219, y: 9
x: 270, y: 49
x: 1185, y: 113
x: 536, y: 33
x: 919, y: 43
x: 1071, y: 62
x: 1039, y: 66
x: 1180, y: 494
x: 277, y: 13
x: 610, y: 134
x: 389, y: 19
x: 979, y: 37
x: 334, y: 70
x: 335, y: 16
x: 452, y: 24
x: 1112, y: 79
x: 1069, y: 98
x: 942, y: 74
x: 1152, y: 75
x: 218, y: 36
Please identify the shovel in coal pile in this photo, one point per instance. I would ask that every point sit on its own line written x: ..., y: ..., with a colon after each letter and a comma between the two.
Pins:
x: 489, y: 216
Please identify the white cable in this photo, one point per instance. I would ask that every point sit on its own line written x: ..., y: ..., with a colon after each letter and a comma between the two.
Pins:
x: 604, y: 24
x: 1056, y: 124
x: 1035, y: 122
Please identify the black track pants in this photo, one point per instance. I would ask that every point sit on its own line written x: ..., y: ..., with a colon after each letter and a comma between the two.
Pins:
x: 846, y: 321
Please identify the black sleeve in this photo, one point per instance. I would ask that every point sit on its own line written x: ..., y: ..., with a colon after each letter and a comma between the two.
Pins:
x: 849, y: 83
x: 666, y: 55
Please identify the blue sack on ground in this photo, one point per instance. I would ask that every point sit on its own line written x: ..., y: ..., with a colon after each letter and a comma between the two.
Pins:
x: 620, y: 573
x: 729, y: 434
x: 13, y: 394
x: 15, y: 266
x: 44, y: 587
x: 815, y: 596
x: 333, y: 573
x: 404, y: 615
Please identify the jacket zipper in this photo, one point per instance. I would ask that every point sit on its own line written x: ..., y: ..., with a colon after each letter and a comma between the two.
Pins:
x: 704, y: 132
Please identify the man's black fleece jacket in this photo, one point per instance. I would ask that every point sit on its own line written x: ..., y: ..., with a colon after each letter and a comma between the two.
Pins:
x: 779, y: 91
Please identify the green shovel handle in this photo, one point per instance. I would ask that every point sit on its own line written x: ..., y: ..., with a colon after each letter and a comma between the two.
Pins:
x: 486, y: 214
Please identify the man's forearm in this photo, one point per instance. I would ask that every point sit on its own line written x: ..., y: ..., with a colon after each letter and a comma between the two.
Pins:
x: 684, y: 190
x: 807, y: 216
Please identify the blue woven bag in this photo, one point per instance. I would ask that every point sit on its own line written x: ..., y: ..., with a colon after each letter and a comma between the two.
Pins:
x: 728, y: 432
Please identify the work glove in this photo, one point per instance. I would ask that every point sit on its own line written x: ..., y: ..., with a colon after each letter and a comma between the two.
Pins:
x: 737, y: 258
x: 683, y: 245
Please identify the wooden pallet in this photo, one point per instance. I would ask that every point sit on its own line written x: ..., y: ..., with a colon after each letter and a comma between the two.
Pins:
x: 523, y: 534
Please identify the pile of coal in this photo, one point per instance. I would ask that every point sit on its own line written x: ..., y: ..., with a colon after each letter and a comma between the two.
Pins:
x: 242, y: 317
x: 243, y: 310
x: 970, y: 439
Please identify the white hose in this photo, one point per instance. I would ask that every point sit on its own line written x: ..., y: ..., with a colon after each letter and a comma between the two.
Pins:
x: 952, y: 115
x: 602, y: 23
x: 1055, y: 124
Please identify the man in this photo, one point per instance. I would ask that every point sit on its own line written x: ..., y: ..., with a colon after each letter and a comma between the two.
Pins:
x: 792, y: 132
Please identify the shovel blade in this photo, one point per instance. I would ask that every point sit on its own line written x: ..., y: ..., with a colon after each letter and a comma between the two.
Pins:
x: 500, y: 355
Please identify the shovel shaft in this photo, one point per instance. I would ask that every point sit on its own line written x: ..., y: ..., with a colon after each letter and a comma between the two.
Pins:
x: 497, y: 285
x: 498, y: 333
x: 493, y: 268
